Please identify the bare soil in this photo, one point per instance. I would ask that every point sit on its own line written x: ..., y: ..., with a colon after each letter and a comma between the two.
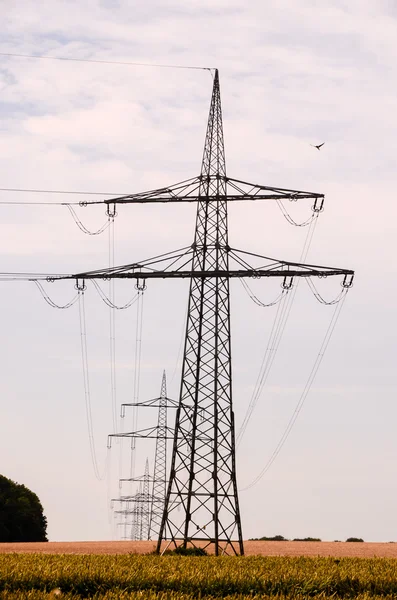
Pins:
x: 337, y: 549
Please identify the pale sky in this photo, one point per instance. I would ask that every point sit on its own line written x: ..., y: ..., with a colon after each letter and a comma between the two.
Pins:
x: 292, y: 74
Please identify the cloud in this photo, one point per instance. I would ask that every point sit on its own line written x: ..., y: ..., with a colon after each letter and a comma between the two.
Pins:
x: 292, y: 74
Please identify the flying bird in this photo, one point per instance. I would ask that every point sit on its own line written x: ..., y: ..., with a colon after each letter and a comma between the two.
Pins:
x: 319, y: 146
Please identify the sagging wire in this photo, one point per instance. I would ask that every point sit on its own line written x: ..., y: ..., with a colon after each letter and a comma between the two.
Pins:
x: 276, y: 334
x: 256, y: 300
x: 51, y: 302
x: 303, y: 396
x: 81, y: 287
x: 316, y: 209
x: 82, y: 227
x: 108, y: 299
x: 269, y: 356
x: 318, y: 296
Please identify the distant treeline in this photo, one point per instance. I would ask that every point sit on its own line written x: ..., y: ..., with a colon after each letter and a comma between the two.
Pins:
x: 281, y: 538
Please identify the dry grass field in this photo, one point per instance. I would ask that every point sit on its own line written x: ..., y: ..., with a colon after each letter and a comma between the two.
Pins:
x: 254, y: 548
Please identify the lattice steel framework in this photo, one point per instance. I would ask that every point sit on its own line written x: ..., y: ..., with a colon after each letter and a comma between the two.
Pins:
x: 137, y: 508
x: 160, y: 465
x: 161, y: 433
x: 203, y: 475
x: 201, y: 505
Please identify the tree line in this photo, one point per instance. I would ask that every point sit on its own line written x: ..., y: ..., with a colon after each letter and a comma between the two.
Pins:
x: 21, y: 514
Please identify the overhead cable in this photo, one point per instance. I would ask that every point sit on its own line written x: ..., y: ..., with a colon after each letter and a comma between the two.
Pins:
x: 303, y: 396
x: 290, y: 220
x: 82, y: 227
x: 183, y: 331
x: 86, y: 381
x: 108, y: 300
x: 275, y: 336
x: 63, y: 192
x: 141, y: 287
x: 318, y: 296
x: 112, y: 326
x: 103, y: 62
x: 256, y: 300
x: 51, y: 302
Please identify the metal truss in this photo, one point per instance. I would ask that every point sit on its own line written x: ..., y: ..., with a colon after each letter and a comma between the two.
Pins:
x: 190, y: 191
x: 202, y: 505
x: 137, y: 507
x: 181, y: 264
x: 161, y: 433
x: 160, y: 465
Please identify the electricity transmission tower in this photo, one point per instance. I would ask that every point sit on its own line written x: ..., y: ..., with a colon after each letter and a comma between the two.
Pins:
x: 160, y: 465
x: 137, y: 507
x: 161, y: 433
x: 202, y: 506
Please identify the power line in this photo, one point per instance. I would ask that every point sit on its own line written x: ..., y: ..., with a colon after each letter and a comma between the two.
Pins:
x: 67, y: 192
x: 83, y: 228
x: 104, y: 62
x: 276, y: 333
x: 86, y: 381
x: 51, y: 302
x: 304, y: 394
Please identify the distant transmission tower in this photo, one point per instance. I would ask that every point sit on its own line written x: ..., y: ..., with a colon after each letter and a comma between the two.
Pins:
x: 160, y: 465
x: 161, y: 433
x: 136, y: 508
x: 201, y: 507
x: 142, y: 502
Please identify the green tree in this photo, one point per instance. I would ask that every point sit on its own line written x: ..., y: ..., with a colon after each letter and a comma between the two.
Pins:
x: 21, y: 514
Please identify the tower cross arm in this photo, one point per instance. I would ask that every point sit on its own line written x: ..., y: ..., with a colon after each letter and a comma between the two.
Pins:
x: 284, y: 271
x: 148, y: 433
x: 179, y: 265
x: 190, y: 190
x: 155, y: 403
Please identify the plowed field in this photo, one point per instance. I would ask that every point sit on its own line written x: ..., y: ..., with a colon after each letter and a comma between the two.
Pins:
x: 338, y: 549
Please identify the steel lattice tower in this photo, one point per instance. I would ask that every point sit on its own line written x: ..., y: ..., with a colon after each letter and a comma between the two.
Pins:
x: 161, y: 433
x: 160, y: 465
x: 201, y: 506
x: 143, y: 504
x: 203, y: 472
x: 137, y: 507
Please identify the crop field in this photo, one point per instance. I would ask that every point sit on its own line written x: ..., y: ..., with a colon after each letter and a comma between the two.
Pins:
x: 251, y: 548
x: 132, y: 576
